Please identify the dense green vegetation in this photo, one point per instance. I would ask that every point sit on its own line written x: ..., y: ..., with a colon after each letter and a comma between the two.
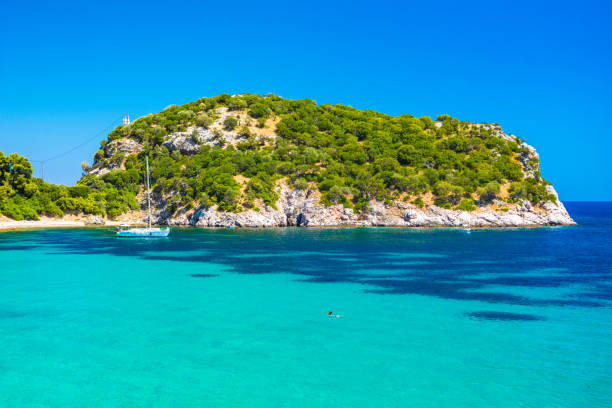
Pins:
x: 25, y: 197
x: 351, y: 156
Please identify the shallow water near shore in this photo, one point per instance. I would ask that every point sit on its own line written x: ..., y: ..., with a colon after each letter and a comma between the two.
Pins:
x: 235, y: 318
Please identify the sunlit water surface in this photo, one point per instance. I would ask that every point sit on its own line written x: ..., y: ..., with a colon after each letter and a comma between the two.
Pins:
x: 238, y: 318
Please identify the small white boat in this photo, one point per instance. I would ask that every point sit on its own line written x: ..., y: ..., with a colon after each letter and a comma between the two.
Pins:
x: 143, y: 232
x: 149, y: 231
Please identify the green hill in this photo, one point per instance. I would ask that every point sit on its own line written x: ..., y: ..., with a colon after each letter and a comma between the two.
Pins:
x: 232, y: 151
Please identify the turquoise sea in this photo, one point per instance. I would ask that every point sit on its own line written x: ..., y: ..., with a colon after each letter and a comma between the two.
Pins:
x: 238, y: 318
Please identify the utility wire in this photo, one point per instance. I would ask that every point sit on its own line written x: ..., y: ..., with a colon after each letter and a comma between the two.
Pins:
x: 104, y: 130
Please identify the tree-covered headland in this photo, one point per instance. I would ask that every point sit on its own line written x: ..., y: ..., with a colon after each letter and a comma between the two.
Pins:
x: 234, y: 151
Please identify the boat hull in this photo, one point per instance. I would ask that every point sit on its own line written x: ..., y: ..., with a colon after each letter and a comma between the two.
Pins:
x: 144, y: 232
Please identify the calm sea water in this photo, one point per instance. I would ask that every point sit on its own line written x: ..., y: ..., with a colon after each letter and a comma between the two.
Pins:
x: 238, y: 318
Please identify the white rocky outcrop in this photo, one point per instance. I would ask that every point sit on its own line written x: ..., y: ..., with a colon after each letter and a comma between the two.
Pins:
x: 189, y: 142
x: 530, y: 160
x: 192, y: 139
x: 303, y: 208
x: 125, y: 145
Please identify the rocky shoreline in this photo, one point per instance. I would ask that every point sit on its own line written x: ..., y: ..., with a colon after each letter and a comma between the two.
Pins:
x: 303, y: 208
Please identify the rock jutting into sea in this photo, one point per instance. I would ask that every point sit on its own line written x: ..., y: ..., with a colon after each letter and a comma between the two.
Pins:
x: 304, y: 207
x: 265, y: 161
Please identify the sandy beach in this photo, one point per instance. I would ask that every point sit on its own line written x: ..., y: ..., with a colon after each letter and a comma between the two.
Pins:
x: 8, y: 224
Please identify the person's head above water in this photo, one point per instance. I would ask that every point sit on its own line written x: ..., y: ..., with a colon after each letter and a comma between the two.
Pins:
x: 329, y: 314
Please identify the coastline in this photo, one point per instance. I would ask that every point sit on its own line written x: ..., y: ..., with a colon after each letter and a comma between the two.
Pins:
x: 40, y: 224
x: 46, y: 225
x: 299, y: 208
x: 304, y: 208
x: 50, y: 224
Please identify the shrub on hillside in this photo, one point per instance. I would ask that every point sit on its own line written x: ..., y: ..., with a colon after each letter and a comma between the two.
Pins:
x: 230, y: 123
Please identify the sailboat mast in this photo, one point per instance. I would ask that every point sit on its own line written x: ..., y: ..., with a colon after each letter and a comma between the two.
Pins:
x: 148, y: 193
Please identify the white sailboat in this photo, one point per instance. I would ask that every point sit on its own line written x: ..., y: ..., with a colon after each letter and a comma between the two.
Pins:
x: 149, y: 231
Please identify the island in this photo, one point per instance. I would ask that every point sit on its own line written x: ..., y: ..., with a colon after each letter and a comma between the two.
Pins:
x: 264, y: 161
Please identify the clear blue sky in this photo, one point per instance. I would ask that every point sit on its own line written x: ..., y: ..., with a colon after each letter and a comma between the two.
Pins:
x: 543, y: 70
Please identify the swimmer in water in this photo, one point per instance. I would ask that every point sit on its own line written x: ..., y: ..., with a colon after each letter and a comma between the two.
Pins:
x: 330, y: 314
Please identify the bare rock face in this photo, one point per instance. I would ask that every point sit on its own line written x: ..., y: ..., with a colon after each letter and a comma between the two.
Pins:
x: 94, y: 220
x: 127, y: 146
x: 303, y: 208
x: 98, y: 171
x: 180, y: 218
x: 557, y: 213
x: 194, y: 138
x: 111, y: 149
x: 212, y: 217
x: 530, y: 160
x: 189, y: 142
